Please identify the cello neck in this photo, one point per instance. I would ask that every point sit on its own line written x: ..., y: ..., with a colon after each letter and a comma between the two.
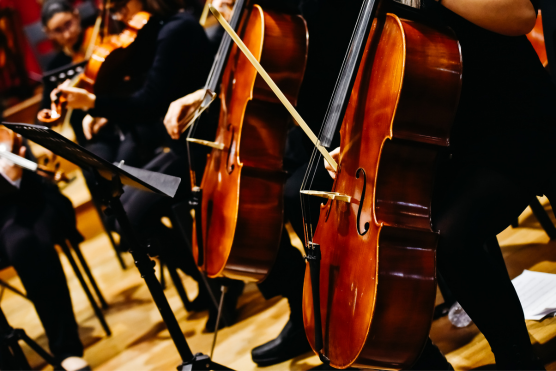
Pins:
x: 215, y: 75
x: 346, y: 78
x: 296, y: 116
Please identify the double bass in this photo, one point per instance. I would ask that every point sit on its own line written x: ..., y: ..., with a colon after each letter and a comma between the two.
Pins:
x: 239, y: 217
x: 370, y: 289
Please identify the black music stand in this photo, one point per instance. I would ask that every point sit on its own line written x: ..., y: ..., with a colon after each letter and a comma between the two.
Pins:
x: 111, y: 179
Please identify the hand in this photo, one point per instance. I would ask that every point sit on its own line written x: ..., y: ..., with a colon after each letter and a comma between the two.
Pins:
x: 77, y: 98
x: 13, y: 171
x: 180, y: 109
x: 225, y: 7
x: 92, y: 125
x: 336, y: 157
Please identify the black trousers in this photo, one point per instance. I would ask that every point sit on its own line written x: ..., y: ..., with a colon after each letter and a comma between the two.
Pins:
x: 475, y: 204
x: 287, y: 275
x: 27, y: 243
x: 145, y: 210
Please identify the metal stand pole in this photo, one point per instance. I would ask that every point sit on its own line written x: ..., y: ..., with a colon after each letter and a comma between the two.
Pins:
x: 112, y: 190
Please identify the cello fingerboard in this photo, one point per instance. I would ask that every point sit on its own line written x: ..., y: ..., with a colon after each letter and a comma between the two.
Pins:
x: 411, y: 3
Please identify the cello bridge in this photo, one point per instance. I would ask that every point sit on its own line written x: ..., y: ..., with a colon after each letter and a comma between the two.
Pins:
x: 329, y: 195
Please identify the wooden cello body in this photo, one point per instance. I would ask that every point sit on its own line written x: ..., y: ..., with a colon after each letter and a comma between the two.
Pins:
x: 536, y: 37
x: 377, y: 270
x: 243, y: 182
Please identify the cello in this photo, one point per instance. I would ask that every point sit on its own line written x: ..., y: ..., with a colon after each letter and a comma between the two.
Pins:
x: 244, y: 176
x: 536, y: 37
x: 372, y: 255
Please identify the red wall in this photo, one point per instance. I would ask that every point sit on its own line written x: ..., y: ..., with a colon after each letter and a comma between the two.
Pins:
x: 29, y: 12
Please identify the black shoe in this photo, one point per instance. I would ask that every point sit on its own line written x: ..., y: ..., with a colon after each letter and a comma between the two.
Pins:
x: 431, y: 359
x: 200, y: 303
x: 516, y: 358
x: 291, y: 343
x: 228, y: 316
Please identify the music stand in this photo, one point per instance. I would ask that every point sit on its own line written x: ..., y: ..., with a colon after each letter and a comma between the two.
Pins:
x: 111, y: 179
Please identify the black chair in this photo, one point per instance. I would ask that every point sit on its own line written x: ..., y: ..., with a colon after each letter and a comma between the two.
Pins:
x: 68, y: 244
x: 543, y: 218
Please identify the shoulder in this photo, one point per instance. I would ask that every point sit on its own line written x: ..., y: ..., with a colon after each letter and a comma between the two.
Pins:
x: 180, y: 24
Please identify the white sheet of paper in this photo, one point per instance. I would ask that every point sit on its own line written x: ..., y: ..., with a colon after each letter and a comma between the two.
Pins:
x: 537, y: 293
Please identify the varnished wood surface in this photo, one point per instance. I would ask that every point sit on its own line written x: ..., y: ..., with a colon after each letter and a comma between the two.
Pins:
x: 245, y: 179
x: 378, y: 251
x: 140, y: 341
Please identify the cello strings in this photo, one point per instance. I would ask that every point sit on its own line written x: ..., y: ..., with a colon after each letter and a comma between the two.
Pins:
x: 340, y: 97
x: 214, y: 76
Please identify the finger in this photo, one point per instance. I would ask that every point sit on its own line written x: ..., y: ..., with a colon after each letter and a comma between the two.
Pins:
x: 22, y: 151
x: 87, y: 130
x: 65, y: 83
x: 332, y: 174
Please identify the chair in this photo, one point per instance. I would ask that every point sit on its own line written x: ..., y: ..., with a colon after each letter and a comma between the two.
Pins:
x: 543, y: 218
x: 68, y: 244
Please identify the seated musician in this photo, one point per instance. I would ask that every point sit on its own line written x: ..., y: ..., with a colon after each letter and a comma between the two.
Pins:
x: 180, y: 65
x: 66, y: 30
x: 502, y: 148
x: 287, y: 275
x: 33, y: 213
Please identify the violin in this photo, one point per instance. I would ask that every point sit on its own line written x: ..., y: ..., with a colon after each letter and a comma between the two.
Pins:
x: 106, y: 69
x: 244, y: 176
x: 11, y: 145
x: 370, y: 289
x: 536, y: 37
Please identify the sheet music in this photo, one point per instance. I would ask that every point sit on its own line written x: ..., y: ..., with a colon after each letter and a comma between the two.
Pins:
x: 537, y: 293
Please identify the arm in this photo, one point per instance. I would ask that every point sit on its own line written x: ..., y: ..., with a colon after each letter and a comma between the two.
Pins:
x: 175, y: 66
x: 506, y: 17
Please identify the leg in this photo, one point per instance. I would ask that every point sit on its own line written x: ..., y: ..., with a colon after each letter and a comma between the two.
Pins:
x: 32, y: 254
x: 478, y: 205
x: 287, y: 278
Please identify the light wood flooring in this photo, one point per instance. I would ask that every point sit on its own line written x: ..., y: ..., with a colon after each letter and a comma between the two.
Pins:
x: 140, y: 341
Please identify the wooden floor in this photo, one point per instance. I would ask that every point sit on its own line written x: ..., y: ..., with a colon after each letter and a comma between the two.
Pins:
x: 140, y: 341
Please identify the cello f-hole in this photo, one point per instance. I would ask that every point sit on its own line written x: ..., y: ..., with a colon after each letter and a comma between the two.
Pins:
x: 232, y: 151
x: 357, y: 174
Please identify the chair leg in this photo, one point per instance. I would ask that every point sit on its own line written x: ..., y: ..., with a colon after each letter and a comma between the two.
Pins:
x: 543, y: 218
x: 162, y: 279
x: 115, y: 247
x: 107, y: 229
x: 179, y: 287
x: 13, y: 289
x: 65, y: 247
x: 83, y: 262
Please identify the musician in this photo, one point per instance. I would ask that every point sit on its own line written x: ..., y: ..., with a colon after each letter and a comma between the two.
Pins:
x: 181, y: 63
x: 32, y: 215
x: 64, y: 27
x: 502, y: 148
x: 327, y: 46
x: 62, y: 24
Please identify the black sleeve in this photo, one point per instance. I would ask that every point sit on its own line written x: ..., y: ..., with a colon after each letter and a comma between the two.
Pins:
x: 182, y: 55
x: 536, y: 4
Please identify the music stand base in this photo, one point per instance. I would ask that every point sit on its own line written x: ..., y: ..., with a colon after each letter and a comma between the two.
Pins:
x: 111, y: 192
x: 11, y: 354
x: 201, y: 361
